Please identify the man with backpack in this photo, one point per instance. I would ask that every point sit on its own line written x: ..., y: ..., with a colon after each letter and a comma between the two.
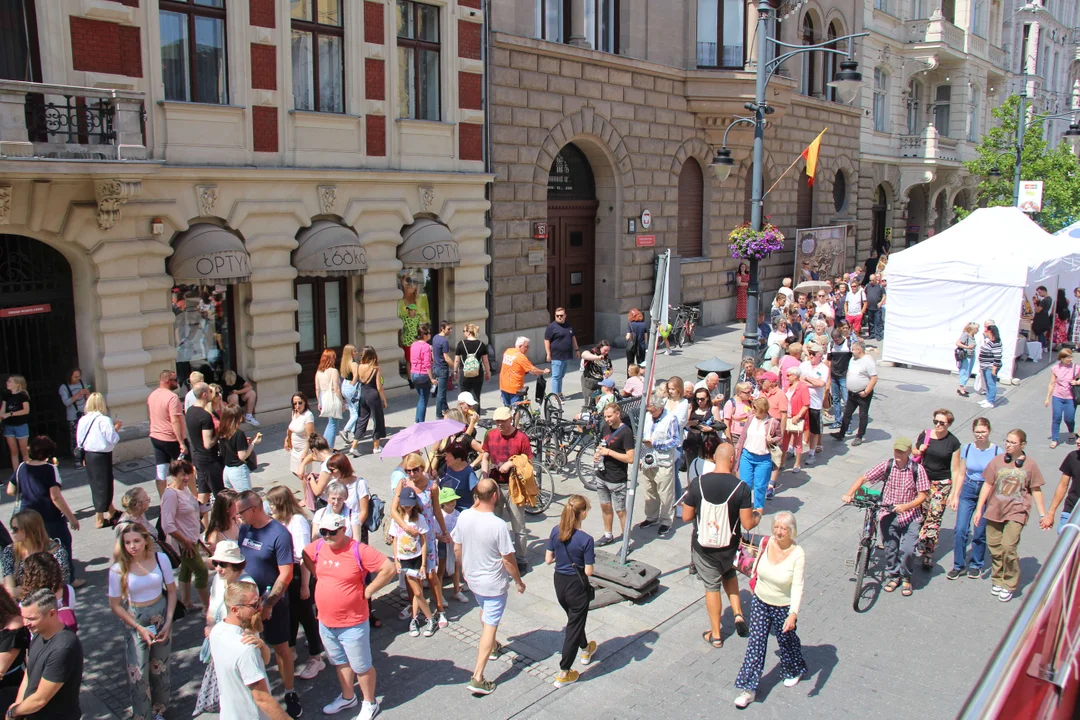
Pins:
x: 341, y: 564
x: 721, y: 507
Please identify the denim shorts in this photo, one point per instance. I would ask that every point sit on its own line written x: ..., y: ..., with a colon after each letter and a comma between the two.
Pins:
x: 237, y: 478
x: 613, y: 494
x: 17, y: 431
x: 491, y: 608
x: 348, y: 646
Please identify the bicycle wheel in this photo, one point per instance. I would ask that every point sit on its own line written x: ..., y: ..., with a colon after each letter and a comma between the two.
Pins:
x: 553, y: 408
x: 547, y: 489
x: 862, y: 561
x: 583, y: 464
x: 677, y: 335
x: 690, y: 333
x: 551, y: 453
x: 523, y: 417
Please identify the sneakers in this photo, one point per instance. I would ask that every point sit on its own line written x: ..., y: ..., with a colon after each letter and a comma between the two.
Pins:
x: 346, y: 435
x: 792, y: 682
x: 770, y: 492
x: 406, y: 612
x: 429, y: 627
x: 414, y: 627
x: 1005, y: 595
x: 985, y: 404
x: 461, y: 597
x: 495, y: 653
x: 744, y: 699
x: 974, y: 573
x: 441, y: 618
x: 996, y: 590
x: 810, y: 460
x: 250, y: 420
x: 565, y: 678
x: 338, y: 704
x: 311, y: 668
x: 587, y: 653
x: 368, y: 710
x: 857, y: 442
x: 646, y: 523
x: 605, y: 539
x: 837, y: 435
x: 293, y: 706
x: 481, y: 687
x: 954, y: 574
x: 663, y: 530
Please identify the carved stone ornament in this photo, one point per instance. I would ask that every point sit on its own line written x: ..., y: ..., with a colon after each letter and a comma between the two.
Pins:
x: 327, y: 198
x: 5, y: 204
x: 427, y: 198
x: 207, y: 197
x: 111, y: 194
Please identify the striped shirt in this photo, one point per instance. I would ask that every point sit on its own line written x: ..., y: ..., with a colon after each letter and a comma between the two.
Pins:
x: 901, y: 487
x: 990, y: 354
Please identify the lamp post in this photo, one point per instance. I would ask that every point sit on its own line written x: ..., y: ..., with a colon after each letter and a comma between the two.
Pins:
x: 846, y: 83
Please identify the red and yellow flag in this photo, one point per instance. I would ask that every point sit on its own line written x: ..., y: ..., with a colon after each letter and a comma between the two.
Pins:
x: 811, y: 155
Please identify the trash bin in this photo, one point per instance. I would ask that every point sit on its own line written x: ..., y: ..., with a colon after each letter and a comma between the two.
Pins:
x: 723, y: 371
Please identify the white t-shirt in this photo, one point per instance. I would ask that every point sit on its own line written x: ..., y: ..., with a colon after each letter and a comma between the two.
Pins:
x: 854, y: 302
x: 357, y: 490
x: 141, y: 588
x: 825, y: 309
x: 787, y: 292
x: 859, y: 373
x: 410, y: 546
x: 484, y: 540
x: 820, y: 372
x: 189, y: 400
x: 237, y: 666
x: 300, y: 529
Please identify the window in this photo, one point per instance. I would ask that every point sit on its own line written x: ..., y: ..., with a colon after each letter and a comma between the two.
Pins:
x: 978, y: 18
x: 832, y: 63
x: 942, y: 107
x: 721, y: 33
x: 691, y: 210
x: 775, y: 31
x: 318, y: 39
x: 948, y: 10
x: 916, y: 9
x: 601, y: 25
x: 20, y: 58
x: 882, y: 5
x: 804, y: 205
x: 914, y: 103
x: 881, y: 87
x: 199, y: 73
x: 418, y: 60
x: 839, y: 191
x: 973, y: 120
x: 552, y: 22
x: 810, y: 58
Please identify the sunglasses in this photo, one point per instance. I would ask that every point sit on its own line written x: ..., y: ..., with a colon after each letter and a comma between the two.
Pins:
x: 941, y: 422
x: 252, y: 606
x: 223, y: 564
x: 298, y: 404
x: 414, y: 469
x: 14, y: 528
x: 327, y: 532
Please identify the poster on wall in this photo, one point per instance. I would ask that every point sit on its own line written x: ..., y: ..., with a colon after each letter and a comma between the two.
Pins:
x: 820, y: 253
x: 416, y: 306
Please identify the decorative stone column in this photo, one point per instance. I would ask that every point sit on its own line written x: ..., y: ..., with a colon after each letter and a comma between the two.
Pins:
x: 577, y: 24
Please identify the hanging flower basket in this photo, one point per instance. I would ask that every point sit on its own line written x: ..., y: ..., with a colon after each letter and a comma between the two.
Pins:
x: 746, y: 243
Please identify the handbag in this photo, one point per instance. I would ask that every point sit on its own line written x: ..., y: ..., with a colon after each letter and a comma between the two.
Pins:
x: 331, y: 405
x: 590, y: 591
x: 1075, y: 390
x: 747, y: 554
x: 959, y: 354
x: 795, y: 426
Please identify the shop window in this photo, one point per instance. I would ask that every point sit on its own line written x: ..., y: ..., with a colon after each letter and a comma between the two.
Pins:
x: 418, y: 52
x: 721, y: 33
x: 193, y: 58
x: 419, y: 288
x: 204, y: 330
x: 318, y: 68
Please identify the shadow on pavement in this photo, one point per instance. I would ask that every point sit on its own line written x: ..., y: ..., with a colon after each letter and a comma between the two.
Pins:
x: 403, y: 678
x: 1029, y: 568
x: 633, y: 648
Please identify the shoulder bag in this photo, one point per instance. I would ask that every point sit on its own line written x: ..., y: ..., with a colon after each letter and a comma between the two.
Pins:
x: 1075, y: 388
x: 179, y: 611
x: 590, y: 591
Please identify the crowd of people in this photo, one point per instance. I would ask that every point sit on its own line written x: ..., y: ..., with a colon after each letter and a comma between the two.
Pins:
x: 259, y: 568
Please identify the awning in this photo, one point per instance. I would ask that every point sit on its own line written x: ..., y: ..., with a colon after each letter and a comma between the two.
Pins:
x: 207, y: 254
x: 329, y: 248
x: 428, y: 244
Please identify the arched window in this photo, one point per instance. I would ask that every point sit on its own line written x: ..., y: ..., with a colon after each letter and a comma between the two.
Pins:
x: 839, y: 192
x: 810, y: 58
x: 571, y: 177
x: 914, y: 104
x: 691, y: 210
x: 881, y: 104
x: 832, y: 62
x: 804, y: 209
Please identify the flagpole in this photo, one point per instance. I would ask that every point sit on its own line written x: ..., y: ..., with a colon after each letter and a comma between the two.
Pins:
x: 657, y: 313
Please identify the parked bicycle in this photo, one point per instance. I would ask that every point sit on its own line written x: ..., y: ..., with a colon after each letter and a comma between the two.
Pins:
x: 683, y: 327
x: 548, y: 405
x: 868, y: 499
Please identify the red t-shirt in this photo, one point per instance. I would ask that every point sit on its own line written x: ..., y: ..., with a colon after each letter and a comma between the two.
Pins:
x: 339, y: 593
x: 503, y: 448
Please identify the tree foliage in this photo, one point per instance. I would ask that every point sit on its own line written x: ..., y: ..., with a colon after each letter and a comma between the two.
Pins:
x: 1056, y: 167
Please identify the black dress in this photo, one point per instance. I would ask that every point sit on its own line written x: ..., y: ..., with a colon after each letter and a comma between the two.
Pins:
x: 9, y: 683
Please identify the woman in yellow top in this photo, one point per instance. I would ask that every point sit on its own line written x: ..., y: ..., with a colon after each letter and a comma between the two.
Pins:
x: 774, y: 609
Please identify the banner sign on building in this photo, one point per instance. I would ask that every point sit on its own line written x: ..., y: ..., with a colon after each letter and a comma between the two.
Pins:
x: 820, y: 253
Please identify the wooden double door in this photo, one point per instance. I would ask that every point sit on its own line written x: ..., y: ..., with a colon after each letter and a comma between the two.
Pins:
x: 571, y: 264
x: 322, y: 321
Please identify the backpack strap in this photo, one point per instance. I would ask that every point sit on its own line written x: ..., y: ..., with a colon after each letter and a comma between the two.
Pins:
x: 318, y: 547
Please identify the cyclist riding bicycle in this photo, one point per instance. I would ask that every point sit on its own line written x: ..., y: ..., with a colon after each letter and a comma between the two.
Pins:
x: 905, y: 487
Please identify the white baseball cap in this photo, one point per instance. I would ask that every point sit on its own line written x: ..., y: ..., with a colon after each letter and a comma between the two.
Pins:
x: 467, y: 398
x: 332, y: 521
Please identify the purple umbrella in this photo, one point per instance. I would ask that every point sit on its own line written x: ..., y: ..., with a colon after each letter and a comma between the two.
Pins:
x: 418, y: 437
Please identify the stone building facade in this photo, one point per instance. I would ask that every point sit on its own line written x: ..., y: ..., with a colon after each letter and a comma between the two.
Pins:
x: 586, y: 141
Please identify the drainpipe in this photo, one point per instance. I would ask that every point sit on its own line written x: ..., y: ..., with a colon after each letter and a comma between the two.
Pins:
x: 485, y: 52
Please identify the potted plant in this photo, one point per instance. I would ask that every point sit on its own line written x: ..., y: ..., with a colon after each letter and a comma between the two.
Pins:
x: 747, y: 243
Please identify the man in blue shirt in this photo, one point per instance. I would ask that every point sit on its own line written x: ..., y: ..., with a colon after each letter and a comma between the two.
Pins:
x: 441, y: 362
x: 561, y: 347
x: 267, y: 548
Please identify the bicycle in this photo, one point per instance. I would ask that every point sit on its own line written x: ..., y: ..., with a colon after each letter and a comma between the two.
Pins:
x: 687, y: 318
x: 567, y: 444
x: 525, y: 415
x: 870, y: 501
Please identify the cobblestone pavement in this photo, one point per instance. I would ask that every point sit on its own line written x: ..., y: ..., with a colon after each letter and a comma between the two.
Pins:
x: 921, y: 653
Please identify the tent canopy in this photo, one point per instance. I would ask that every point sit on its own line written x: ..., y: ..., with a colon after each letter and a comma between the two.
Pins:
x: 1072, y: 231
x: 981, y: 268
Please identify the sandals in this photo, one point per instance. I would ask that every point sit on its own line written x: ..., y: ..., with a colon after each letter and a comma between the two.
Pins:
x: 1053, y: 444
x: 891, y: 585
x: 962, y: 393
x: 716, y: 643
x: 906, y: 589
x: 741, y: 628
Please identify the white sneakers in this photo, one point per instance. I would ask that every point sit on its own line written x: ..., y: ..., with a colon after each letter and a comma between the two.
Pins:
x: 339, y: 704
x: 743, y: 699
x: 368, y: 710
x: 792, y: 682
x: 250, y: 420
x: 461, y: 597
x: 311, y: 668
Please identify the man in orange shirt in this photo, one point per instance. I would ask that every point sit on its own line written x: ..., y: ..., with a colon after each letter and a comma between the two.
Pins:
x: 515, y: 365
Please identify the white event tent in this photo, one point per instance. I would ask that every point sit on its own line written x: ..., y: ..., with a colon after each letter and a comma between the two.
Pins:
x: 981, y: 268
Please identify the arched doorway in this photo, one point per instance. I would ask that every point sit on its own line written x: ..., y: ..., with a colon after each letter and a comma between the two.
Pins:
x: 571, y: 240
x: 878, y: 214
x: 916, y: 213
x: 37, y: 330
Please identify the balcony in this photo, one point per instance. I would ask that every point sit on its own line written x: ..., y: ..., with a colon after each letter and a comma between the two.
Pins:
x: 935, y: 31
x: 930, y: 146
x: 39, y: 120
x: 997, y: 58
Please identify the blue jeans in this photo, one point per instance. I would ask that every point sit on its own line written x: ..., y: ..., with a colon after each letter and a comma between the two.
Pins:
x: 965, y: 510
x: 422, y: 384
x: 1063, y: 409
x: 442, y: 384
x: 965, y: 371
x: 1062, y: 519
x: 331, y: 431
x: 755, y: 470
x: 558, y: 370
x: 839, y: 397
x: 237, y: 478
x: 348, y: 400
x: 508, y: 399
x: 991, y: 384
